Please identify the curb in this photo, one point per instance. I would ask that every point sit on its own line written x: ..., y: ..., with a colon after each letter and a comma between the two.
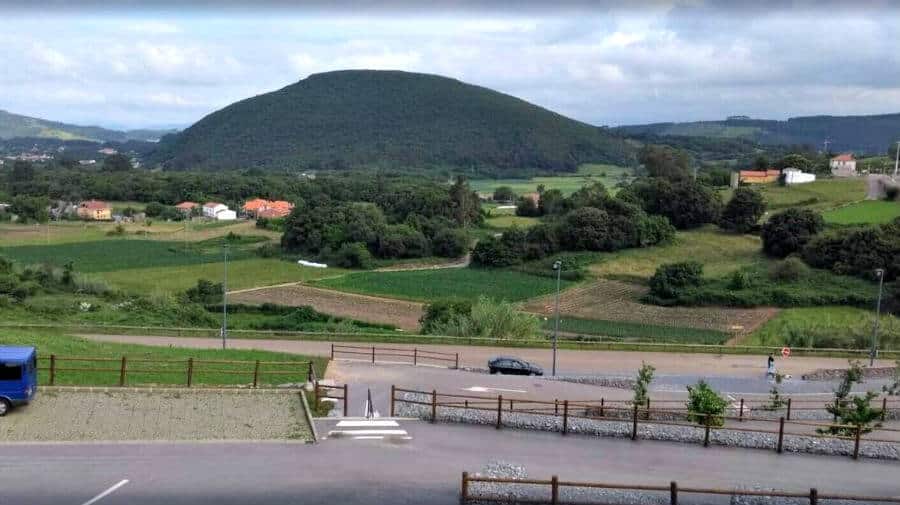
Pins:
x: 151, y: 389
x: 309, y: 418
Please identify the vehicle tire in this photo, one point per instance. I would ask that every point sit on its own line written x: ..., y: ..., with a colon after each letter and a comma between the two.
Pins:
x: 5, y: 407
x: 493, y: 371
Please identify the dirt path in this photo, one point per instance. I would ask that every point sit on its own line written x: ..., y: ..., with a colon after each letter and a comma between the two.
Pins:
x: 605, y: 362
x: 400, y: 313
x: 408, y: 267
x: 618, y: 301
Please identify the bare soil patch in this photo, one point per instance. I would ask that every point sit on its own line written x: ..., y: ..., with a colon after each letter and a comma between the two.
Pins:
x: 618, y: 301
x: 63, y: 415
x: 400, y: 313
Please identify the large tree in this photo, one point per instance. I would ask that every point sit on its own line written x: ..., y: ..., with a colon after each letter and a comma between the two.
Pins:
x: 666, y: 162
x: 117, y: 163
x: 743, y: 211
x: 788, y: 231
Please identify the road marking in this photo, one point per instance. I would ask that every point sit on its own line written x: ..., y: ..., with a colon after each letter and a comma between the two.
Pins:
x: 480, y: 389
x: 366, y: 437
x: 106, y: 493
x: 734, y: 403
x: 366, y: 432
x: 364, y: 424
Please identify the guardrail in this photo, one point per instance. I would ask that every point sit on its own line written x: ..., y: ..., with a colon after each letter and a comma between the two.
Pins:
x: 126, y: 371
x: 636, y: 415
x: 325, y: 391
x: 413, y: 356
x: 674, y: 491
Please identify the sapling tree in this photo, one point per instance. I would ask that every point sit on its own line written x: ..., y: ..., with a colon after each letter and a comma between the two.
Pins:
x: 776, y: 401
x: 852, y: 412
x: 894, y: 387
x: 705, y: 406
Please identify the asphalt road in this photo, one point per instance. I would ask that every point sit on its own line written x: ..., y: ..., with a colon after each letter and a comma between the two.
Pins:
x: 425, y: 469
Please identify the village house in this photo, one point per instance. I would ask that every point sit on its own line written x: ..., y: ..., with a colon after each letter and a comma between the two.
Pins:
x: 186, y: 208
x: 268, y: 209
x: 218, y: 211
x: 797, y: 176
x: 843, y: 165
x: 94, y: 210
x: 759, y: 176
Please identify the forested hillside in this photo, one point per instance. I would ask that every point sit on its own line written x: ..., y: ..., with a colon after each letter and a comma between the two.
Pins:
x: 362, y: 118
x: 861, y: 134
x: 15, y: 125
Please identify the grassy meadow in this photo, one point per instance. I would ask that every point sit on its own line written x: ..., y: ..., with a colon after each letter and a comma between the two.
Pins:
x: 634, y: 331
x: 609, y: 175
x: 426, y: 285
x: 866, y: 212
x: 827, y: 327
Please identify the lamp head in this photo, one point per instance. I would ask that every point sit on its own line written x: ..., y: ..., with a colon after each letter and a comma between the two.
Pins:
x: 557, y: 265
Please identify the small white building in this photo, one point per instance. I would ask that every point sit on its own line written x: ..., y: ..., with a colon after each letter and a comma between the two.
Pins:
x: 797, y: 176
x: 212, y: 209
x: 226, y: 215
x: 843, y: 165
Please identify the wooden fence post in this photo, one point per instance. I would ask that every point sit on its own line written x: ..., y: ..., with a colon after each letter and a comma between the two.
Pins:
x: 634, y: 425
x: 499, y: 410
x: 122, y: 371
x: 565, y: 417
x: 346, y: 408
x: 780, y: 434
x: 190, y: 372
x: 883, y: 401
x: 309, y: 373
x: 813, y: 496
x: 415, y: 356
x: 456, y: 365
x: 511, y: 405
x: 555, y: 407
x: 332, y: 351
x: 373, y: 354
x: 316, y: 393
x: 433, y: 405
x: 52, y: 369
x: 789, y: 409
x: 464, y: 491
x: 741, y: 415
x: 706, y: 436
x: 393, y: 388
x: 673, y: 493
x: 856, y: 442
x: 554, y: 490
x: 601, y: 407
x: 256, y: 374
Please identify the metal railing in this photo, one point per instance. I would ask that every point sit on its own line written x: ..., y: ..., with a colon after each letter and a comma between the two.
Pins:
x: 636, y: 415
x: 413, y: 356
x: 130, y: 371
x: 554, y: 485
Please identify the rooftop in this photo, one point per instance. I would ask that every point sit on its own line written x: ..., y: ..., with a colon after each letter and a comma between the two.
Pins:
x: 13, y: 354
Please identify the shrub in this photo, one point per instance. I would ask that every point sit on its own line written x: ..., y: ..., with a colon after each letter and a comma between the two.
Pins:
x: 891, y: 193
x: 526, y: 207
x: 788, y: 231
x: 642, y: 384
x: 494, y: 252
x: 857, y: 251
x: 743, y: 211
x: 654, y: 230
x: 268, y: 250
x: 740, y: 279
x: 450, y: 243
x: 493, y: 320
x: 205, y: 292
x: 856, y: 410
x: 705, y: 406
x: 441, y: 312
x: 791, y: 269
x: 669, y: 279
x: 504, y: 194
x: 353, y: 255
x: 687, y: 203
x: 402, y: 241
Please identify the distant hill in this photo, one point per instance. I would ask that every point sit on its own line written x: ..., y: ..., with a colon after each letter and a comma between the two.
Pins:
x: 357, y: 118
x: 15, y: 125
x: 860, y: 134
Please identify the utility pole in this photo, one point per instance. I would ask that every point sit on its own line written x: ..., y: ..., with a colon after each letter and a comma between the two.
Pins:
x: 225, y: 301
x: 826, y: 146
x: 879, y: 272
x: 897, y: 159
x: 557, y: 265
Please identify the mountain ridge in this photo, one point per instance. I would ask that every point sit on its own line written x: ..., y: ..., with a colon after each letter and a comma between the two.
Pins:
x: 17, y: 125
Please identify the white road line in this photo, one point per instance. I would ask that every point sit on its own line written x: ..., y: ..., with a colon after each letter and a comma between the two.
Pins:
x: 366, y: 432
x: 368, y: 438
x: 106, y: 493
x: 480, y: 389
x: 366, y: 424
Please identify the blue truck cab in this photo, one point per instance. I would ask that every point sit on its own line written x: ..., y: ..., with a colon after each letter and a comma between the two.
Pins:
x: 18, y: 376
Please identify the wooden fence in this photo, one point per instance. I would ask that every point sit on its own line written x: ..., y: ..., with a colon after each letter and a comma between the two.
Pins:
x: 554, y: 485
x: 621, y: 411
x: 405, y: 355
x: 126, y: 371
x: 324, y: 391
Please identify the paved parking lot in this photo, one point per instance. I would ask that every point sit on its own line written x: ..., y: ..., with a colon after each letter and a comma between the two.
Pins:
x: 108, y: 414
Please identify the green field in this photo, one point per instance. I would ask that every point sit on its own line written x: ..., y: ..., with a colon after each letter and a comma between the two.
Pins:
x: 242, y: 274
x: 720, y: 253
x: 62, y: 346
x: 621, y: 331
x: 827, y: 327
x: 510, y: 221
x: 820, y: 195
x: 609, y: 175
x: 65, y: 232
x: 426, y: 285
x: 867, y: 212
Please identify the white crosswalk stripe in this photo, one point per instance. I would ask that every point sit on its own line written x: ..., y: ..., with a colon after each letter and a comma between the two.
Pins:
x: 369, y: 429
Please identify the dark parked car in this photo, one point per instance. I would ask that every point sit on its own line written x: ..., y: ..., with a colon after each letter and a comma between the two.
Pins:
x: 513, y: 366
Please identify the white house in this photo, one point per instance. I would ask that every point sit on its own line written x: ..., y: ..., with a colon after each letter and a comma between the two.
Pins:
x: 211, y: 209
x: 843, y: 165
x: 797, y: 176
x: 226, y: 215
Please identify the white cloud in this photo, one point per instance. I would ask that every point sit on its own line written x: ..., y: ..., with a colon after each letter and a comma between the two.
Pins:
x: 153, y: 27
x: 165, y: 98
x: 50, y: 59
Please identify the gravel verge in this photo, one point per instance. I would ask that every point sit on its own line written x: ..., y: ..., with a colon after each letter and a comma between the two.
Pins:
x: 107, y: 415
x: 622, y: 429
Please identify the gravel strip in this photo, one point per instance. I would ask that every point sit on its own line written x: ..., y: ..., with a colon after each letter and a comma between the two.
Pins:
x: 622, y: 429
x: 166, y: 415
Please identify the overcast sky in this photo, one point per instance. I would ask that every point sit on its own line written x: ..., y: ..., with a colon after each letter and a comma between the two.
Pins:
x: 171, y: 63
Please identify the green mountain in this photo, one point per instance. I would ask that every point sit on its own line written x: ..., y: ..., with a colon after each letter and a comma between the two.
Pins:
x: 860, y: 134
x: 15, y: 125
x: 359, y: 118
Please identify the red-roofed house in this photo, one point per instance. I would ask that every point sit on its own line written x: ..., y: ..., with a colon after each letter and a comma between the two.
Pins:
x: 759, y: 176
x: 843, y: 165
x: 186, y: 207
x: 95, y: 210
x: 268, y: 209
x: 253, y: 206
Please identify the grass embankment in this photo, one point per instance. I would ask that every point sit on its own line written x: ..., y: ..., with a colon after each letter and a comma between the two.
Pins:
x: 868, y: 212
x: 173, y: 373
x: 619, y: 331
x: 835, y: 327
x: 819, y: 195
x: 460, y: 283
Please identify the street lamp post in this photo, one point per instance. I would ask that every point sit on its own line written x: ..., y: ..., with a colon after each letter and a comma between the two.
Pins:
x: 896, y: 159
x: 557, y: 265
x: 225, y: 300
x: 879, y: 272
